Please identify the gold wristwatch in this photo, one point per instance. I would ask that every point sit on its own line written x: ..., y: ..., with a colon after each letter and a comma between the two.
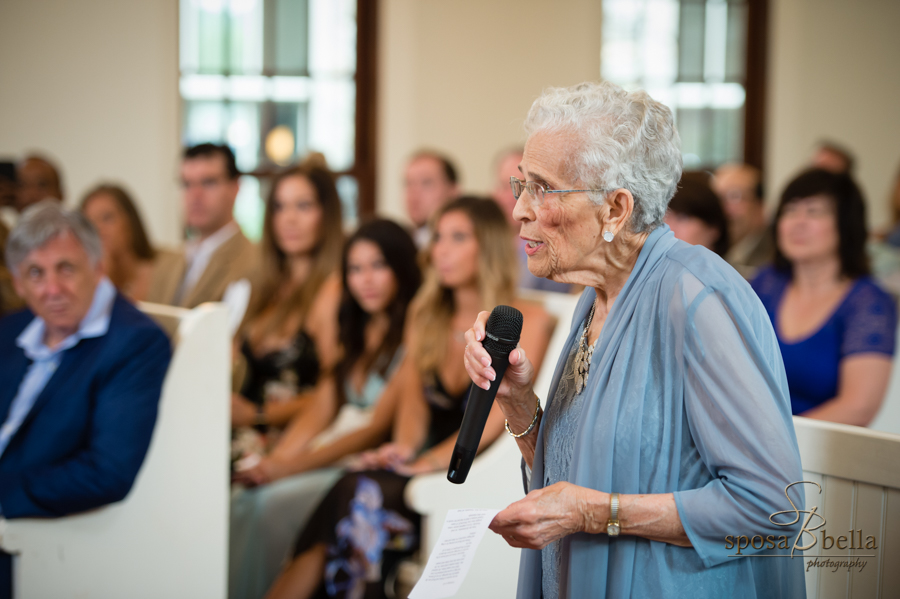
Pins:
x: 612, y: 525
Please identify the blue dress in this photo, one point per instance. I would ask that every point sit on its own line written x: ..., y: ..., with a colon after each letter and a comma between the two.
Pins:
x: 686, y: 395
x: 864, y: 322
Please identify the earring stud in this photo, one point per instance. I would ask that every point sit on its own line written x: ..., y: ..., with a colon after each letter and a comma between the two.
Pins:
x: 608, y: 236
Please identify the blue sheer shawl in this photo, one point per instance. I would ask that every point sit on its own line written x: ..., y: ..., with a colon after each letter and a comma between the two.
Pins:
x: 687, y: 395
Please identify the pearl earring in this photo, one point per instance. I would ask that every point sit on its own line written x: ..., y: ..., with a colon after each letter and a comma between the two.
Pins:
x: 608, y: 236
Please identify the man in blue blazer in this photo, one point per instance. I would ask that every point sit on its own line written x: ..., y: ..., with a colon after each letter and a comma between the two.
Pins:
x: 81, y: 372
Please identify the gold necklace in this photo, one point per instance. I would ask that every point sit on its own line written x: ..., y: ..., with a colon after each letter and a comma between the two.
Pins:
x: 584, y: 354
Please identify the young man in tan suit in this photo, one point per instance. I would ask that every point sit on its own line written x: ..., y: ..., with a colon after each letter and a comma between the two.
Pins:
x: 218, y: 254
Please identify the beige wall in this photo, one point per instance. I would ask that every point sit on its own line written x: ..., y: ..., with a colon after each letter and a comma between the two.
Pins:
x: 460, y: 76
x: 834, y: 73
x: 94, y: 85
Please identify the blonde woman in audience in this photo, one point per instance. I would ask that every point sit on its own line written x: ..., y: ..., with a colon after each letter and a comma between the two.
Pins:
x: 380, y: 278
x: 835, y: 325
x: 289, y: 338
x: 470, y: 267
x: 128, y: 257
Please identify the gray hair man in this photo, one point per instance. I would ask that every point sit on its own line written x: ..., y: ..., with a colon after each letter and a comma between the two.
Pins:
x: 81, y: 366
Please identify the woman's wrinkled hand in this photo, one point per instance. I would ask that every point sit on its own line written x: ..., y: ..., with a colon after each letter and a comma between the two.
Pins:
x: 544, y: 516
x: 516, y: 386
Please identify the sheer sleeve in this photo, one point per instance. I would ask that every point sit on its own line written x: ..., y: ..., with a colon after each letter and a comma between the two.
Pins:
x: 870, y: 322
x: 738, y: 415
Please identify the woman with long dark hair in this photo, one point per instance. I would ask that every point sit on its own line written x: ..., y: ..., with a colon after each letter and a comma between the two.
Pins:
x: 835, y: 326
x: 129, y: 258
x: 289, y: 338
x: 380, y: 278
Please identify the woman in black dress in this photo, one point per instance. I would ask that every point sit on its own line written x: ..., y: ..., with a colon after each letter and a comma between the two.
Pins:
x: 289, y: 339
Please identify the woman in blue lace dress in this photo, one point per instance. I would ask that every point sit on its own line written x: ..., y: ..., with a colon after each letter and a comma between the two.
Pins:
x: 834, y: 325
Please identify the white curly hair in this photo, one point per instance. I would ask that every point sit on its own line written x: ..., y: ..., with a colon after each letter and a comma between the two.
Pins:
x: 621, y: 139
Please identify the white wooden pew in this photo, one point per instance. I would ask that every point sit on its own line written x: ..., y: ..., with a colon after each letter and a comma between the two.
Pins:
x: 859, y: 472
x: 495, y: 481
x: 169, y: 537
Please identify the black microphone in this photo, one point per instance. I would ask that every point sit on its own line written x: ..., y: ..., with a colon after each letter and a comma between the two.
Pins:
x: 501, y: 335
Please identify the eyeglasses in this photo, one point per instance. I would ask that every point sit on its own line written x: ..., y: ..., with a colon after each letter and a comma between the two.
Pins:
x: 537, y: 191
x: 210, y: 183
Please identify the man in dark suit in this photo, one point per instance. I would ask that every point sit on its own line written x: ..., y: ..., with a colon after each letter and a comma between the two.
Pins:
x: 81, y: 372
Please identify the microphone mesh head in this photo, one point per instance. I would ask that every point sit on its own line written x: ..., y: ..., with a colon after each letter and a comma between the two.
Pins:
x: 504, y: 326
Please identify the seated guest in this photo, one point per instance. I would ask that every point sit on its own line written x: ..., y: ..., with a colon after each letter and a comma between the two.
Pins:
x: 9, y: 300
x: 834, y: 325
x: 81, y: 371
x: 883, y: 246
x: 128, y: 257
x: 8, y: 193
x: 467, y: 272
x: 893, y: 237
x: 380, y: 278
x: 431, y: 181
x: 507, y: 166
x: 289, y: 338
x: 695, y: 214
x: 739, y: 187
x: 37, y: 179
x: 217, y: 253
x: 833, y: 157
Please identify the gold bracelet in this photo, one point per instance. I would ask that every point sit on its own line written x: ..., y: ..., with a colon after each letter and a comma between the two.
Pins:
x: 537, y: 409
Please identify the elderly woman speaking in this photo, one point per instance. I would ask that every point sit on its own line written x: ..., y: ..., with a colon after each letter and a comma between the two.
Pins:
x: 668, y: 425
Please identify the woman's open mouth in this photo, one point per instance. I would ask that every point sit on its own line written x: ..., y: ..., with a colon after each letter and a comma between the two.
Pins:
x: 532, y: 247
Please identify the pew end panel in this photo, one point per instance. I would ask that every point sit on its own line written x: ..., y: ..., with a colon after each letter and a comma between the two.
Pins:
x: 169, y: 536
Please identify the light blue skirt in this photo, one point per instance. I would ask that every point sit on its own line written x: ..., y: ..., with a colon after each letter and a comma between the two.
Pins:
x: 265, y: 523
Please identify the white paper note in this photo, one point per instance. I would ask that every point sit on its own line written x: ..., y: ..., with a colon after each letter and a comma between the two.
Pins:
x: 449, y: 563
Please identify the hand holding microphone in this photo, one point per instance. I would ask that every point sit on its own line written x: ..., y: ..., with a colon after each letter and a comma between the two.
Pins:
x: 519, y: 378
x: 492, y: 347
